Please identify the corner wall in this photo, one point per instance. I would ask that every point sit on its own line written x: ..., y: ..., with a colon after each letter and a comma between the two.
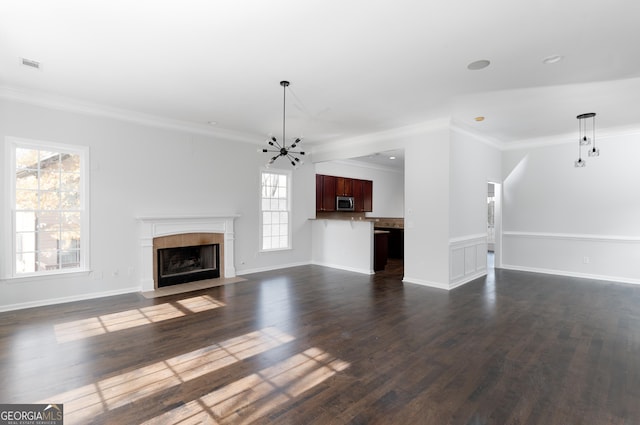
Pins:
x: 573, y: 221
x: 473, y: 164
x: 426, y: 220
x: 445, y: 199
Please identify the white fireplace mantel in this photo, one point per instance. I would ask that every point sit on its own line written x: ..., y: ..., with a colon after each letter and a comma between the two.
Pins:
x: 155, y: 226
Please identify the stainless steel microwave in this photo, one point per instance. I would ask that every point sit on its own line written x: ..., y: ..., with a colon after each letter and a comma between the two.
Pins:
x: 344, y: 203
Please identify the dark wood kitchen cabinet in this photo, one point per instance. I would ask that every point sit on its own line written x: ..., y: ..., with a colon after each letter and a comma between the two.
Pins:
x: 367, y: 195
x: 395, y: 242
x: 325, y: 193
x: 328, y: 187
x: 358, y: 200
x: 344, y: 186
x: 381, y: 247
x: 363, y: 195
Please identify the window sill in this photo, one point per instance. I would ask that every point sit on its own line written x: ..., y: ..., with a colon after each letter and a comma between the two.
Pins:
x: 46, y: 276
x: 275, y: 250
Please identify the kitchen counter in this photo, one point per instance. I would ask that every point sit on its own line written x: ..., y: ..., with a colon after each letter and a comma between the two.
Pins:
x: 343, y: 244
x: 379, y: 222
x: 355, y: 243
x: 344, y: 216
x: 388, y: 222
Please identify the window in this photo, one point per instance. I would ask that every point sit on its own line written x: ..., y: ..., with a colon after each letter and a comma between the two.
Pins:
x: 275, y: 211
x: 48, y: 197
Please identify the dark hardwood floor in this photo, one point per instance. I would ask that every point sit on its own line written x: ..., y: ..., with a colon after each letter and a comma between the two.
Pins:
x: 313, y: 345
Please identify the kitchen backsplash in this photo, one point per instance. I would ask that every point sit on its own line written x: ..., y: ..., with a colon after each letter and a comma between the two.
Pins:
x: 394, y: 222
x: 388, y: 222
x: 342, y: 215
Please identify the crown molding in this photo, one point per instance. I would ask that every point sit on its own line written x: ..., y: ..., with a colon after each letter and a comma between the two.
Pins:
x: 86, y: 108
x: 368, y: 165
x: 382, y: 136
x: 490, y: 141
x: 565, y: 138
x: 541, y: 142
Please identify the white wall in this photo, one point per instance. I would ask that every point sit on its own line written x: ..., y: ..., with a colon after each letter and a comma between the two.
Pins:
x: 139, y: 170
x: 388, y: 185
x: 473, y: 164
x: 573, y: 221
x: 426, y: 235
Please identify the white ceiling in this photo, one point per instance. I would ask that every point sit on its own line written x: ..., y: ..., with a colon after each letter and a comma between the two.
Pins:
x: 392, y: 159
x: 355, y: 67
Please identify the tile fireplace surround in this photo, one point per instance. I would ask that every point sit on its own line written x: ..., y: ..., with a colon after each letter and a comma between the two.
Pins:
x: 155, y: 226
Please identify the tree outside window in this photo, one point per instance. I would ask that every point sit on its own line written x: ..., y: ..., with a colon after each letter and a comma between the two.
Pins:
x: 48, y: 209
x: 275, y: 214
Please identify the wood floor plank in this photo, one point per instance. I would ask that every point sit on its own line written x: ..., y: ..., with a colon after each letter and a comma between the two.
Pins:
x: 316, y: 345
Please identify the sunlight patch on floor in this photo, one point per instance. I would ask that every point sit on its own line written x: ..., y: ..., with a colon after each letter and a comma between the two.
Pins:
x: 255, y: 395
x: 99, y: 325
x: 85, y: 403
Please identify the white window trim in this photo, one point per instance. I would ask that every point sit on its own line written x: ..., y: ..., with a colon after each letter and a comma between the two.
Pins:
x: 11, y: 143
x: 289, y: 175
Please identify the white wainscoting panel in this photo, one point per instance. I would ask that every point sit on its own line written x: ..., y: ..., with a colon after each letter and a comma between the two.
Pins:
x: 468, y: 259
x: 604, y: 257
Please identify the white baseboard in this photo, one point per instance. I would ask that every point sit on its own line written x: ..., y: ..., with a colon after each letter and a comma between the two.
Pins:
x: 572, y: 274
x: 467, y: 279
x: 270, y: 268
x: 446, y: 287
x: 62, y: 300
x: 430, y: 284
x: 345, y: 268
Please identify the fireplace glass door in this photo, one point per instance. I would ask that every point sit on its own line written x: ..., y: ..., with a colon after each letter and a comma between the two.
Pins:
x: 188, y: 264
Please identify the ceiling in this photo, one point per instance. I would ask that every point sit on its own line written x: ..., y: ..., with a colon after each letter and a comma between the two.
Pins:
x: 355, y: 67
x: 392, y: 160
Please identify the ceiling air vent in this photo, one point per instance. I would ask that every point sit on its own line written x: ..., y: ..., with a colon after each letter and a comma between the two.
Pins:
x: 31, y: 63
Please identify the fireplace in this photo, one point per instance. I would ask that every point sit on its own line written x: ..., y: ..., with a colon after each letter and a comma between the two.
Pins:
x: 158, y: 233
x: 188, y: 264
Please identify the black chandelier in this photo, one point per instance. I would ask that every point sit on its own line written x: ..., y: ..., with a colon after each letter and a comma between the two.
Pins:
x: 584, y: 139
x: 283, y: 150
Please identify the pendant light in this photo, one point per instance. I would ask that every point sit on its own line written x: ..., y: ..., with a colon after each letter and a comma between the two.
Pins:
x: 283, y: 150
x: 584, y: 139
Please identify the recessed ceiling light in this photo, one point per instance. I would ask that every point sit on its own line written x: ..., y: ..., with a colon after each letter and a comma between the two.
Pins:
x: 480, y: 64
x: 552, y: 59
x: 392, y: 157
x: 479, y: 119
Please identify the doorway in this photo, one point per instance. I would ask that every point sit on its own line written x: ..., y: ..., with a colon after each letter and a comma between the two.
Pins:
x: 494, y: 214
